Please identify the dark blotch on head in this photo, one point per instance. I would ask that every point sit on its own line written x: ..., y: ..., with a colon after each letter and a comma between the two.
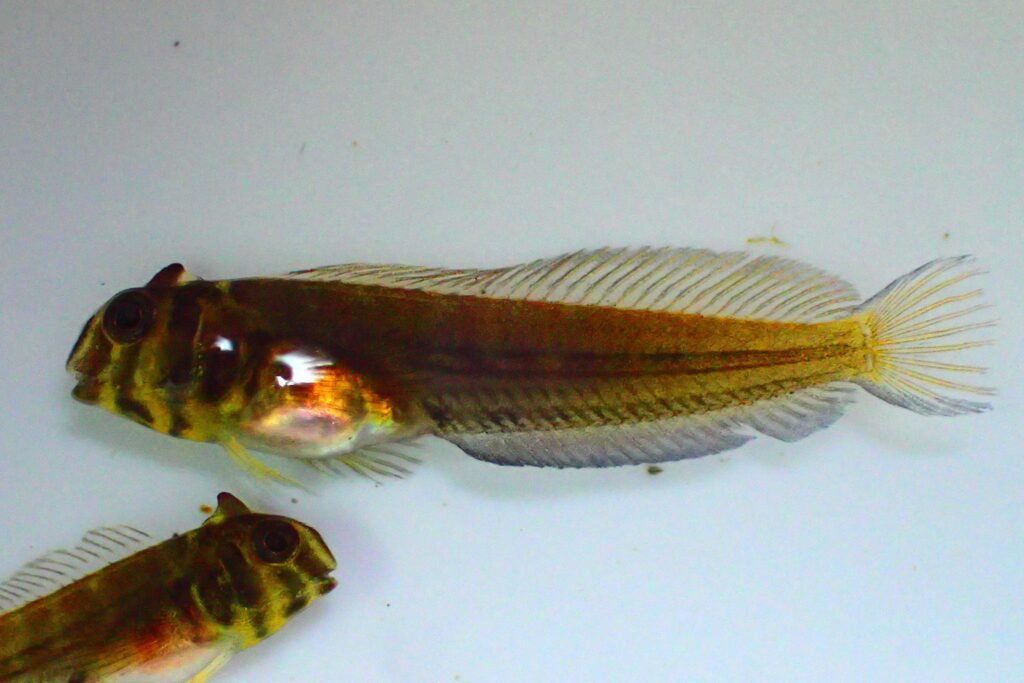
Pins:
x: 181, y: 597
x: 214, y: 599
x: 134, y: 409
x: 295, y: 586
x: 297, y: 603
x: 219, y: 369
x: 244, y: 581
x: 179, y: 424
x: 181, y: 332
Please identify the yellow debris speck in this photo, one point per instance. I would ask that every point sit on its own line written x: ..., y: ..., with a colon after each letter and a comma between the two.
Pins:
x: 770, y: 238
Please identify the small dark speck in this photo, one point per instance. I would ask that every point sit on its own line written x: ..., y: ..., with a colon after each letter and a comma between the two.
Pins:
x: 387, y: 604
x: 355, y: 144
x: 103, y: 284
x: 945, y: 235
x: 654, y: 469
x: 177, y: 43
x: 302, y: 149
x: 295, y: 501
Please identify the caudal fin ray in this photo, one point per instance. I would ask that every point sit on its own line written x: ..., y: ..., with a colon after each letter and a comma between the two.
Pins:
x: 914, y: 321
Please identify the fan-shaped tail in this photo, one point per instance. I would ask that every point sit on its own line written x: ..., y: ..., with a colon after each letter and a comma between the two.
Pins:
x: 913, y: 328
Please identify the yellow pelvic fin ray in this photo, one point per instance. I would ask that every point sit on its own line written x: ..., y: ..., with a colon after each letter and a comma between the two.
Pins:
x: 257, y: 468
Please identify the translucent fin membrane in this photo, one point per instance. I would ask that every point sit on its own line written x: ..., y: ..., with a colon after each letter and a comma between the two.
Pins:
x: 53, y: 571
x: 391, y: 460
x: 726, y: 284
x: 914, y: 326
x: 790, y: 417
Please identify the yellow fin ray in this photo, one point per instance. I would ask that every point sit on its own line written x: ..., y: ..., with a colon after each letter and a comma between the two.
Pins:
x: 255, y: 467
x: 218, y: 662
x: 902, y: 322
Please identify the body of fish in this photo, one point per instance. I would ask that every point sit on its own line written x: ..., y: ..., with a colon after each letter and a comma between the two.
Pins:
x: 588, y: 359
x: 175, y: 611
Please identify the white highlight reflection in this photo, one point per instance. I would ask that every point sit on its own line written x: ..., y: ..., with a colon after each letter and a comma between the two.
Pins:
x: 305, y: 369
x: 224, y: 344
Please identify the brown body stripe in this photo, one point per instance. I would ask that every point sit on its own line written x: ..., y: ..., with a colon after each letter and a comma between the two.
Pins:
x: 182, y: 326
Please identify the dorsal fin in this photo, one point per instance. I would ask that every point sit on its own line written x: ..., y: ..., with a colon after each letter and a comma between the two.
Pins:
x: 171, y: 276
x: 726, y: 284
x: 54, y: 570
x: 227, y: 506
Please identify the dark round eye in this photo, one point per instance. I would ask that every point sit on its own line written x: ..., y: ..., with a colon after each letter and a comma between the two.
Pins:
x: 128, y: 317
x: 275, y: 541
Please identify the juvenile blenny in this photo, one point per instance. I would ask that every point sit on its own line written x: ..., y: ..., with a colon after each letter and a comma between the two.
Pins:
x: 590, y: 359
x: 176, y: 611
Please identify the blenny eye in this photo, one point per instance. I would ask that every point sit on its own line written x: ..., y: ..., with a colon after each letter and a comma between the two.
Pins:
x: 275, y: 541
x: 128, y: 317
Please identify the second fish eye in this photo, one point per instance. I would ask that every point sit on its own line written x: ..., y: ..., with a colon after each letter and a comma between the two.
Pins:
x: 275, y: 541
x: 128, y: 317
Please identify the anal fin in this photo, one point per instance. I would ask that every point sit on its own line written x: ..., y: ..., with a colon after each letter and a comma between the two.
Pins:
x: 788, y: 418
x: 606, y: 445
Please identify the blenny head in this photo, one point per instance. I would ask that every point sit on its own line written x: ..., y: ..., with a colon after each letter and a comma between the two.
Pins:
x: 254, y: 571
x: 196, y: 359
x: 141, y: 355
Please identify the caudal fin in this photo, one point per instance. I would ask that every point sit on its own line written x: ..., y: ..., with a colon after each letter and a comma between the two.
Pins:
x: 913, y: 327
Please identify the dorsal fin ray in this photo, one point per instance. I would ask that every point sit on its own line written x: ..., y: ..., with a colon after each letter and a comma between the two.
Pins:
x: 697, y: 281
x: 59, y: 568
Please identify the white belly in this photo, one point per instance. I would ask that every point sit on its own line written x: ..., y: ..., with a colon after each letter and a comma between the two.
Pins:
x: 177, y: 667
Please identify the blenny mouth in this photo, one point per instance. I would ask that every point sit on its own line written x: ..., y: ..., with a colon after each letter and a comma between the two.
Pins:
x: 87, y: 389
x: 325, y: 584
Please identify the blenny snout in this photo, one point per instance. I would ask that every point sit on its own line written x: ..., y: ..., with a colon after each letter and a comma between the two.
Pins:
x: 88, y: 357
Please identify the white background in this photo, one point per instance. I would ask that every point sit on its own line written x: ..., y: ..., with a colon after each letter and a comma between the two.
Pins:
x: 872, y: 136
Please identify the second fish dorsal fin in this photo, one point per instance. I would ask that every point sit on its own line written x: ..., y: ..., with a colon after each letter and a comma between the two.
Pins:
x: 228, y: 506
x: 699, y: 281
x: 54, y: 570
